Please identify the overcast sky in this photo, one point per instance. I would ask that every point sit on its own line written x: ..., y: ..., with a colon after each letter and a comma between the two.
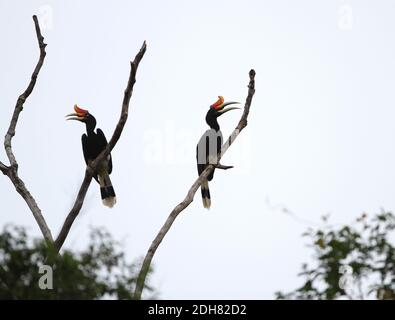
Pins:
x: 320, y: 138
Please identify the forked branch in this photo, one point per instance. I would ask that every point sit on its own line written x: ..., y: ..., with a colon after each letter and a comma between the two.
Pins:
x: 11, y: 171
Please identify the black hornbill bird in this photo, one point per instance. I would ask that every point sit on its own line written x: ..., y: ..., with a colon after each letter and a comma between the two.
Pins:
x: 93, y: 143
x: 210, y: 144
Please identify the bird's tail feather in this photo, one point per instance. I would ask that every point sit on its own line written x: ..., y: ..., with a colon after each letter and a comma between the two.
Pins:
x: 107, y: 190
x: 205, y: 194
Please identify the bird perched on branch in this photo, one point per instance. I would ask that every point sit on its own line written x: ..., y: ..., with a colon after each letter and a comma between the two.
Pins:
x: 210, y: 144
x: 93, y: 143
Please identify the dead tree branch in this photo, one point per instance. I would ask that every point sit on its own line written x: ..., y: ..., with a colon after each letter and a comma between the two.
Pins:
x: 12, y: 171
x: 189, y: 197
x: 113, y: 141
x: 3, y: 168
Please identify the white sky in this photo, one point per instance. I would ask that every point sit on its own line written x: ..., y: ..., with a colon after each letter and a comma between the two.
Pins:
x: 320, y: 137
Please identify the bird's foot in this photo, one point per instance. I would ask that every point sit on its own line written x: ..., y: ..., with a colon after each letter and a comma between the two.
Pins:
x: 223, y: 167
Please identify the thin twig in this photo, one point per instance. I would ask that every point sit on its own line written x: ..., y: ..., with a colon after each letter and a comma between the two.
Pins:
x: 12, y: 170
x: 113, y: 141
x: 189, y: 197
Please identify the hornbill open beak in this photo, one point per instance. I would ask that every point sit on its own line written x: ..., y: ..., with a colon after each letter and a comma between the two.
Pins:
x: 224, y: 110
x: 79, y: 114
x: 220, y: 105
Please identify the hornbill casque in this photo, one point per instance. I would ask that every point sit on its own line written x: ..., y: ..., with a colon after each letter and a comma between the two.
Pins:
x: 210, y: 144
x: 93, y: 143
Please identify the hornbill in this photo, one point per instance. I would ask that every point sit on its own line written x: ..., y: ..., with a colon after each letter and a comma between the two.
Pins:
x: 210, y: 144
x: 93, y: 143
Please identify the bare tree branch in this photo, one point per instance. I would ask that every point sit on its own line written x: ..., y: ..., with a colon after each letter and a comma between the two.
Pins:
x: 113, y: 141
x: 22, y: 98
x: 12, y: 170
x: 3, y: 168
x: 189, y: 197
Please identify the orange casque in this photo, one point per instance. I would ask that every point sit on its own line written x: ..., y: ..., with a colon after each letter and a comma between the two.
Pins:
x: 219, y: 102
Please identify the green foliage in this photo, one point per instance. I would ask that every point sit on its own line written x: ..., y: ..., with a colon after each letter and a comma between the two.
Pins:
x: 351, y: 262
x: 98, y: 272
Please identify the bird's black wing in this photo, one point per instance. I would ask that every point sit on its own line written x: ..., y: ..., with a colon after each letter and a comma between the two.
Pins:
x: 102, y: 141
x: 219, y: 143
x: 209, y: 146
x: 85, y: 149
x: 202, y: 153
x: 84, y: 140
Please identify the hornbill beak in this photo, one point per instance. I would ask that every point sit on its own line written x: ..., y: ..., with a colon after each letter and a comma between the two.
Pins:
x: 220, y: 105
x: 79, y: 114
x: 224, y: 110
